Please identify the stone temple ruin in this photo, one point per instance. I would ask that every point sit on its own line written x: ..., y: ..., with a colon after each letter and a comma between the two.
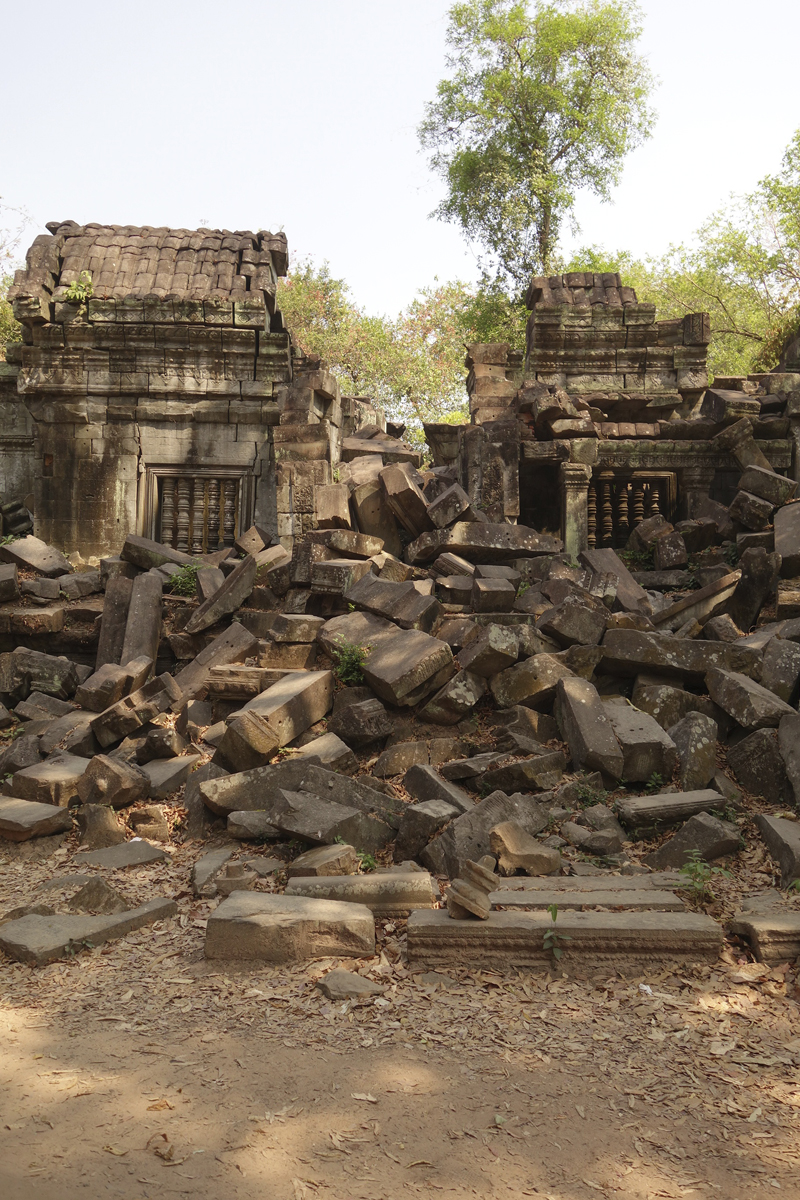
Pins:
x: 548, y: 669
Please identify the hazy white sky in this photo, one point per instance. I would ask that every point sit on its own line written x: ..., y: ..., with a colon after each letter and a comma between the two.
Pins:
x: 302, y: 115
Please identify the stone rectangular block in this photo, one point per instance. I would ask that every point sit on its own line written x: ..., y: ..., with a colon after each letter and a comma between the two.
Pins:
x: 283, y: 929
x: 509, y: 940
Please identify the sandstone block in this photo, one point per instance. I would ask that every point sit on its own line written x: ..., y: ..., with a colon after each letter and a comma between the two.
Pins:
x: 385, y: 893
x: 455, y: 700
x: 586, y: 728
x: 516, y: 850
x: 38, y: 940
x: 758, y: 766
x: 782, y: 839
x: 509, y: 940
x: 696, y: 740
x: 21, y: 820
x: 646, y: 749
x: 750, y: 704
x: 703, y: 834
x: 111, y: 781
x: 644, y: 813
x: 282, y: 929
x: 54, y: 781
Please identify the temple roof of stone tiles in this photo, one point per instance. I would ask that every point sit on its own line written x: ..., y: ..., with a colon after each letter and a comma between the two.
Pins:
x: 139, y: 261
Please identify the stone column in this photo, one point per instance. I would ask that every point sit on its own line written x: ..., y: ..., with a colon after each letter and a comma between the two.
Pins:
x: 575, y: 479
x: 793, y: 413
x: 695, y: 484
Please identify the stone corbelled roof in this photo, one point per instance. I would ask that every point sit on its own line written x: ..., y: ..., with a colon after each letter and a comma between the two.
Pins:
x: 580, y: 287
x: 139, y: 261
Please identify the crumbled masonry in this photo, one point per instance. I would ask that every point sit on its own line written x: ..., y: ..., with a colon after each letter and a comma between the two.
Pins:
x: 557, y: 670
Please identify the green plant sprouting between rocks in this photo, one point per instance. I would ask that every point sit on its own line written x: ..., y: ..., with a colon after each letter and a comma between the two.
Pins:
x: 698, y: 874
x: 81, y: 289
x: 366, y: 862
x: 552, y: 937
x: 348, y: 660
x: 184, y: 581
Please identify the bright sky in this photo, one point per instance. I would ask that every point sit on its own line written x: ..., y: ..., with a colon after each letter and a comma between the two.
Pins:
x: 302, y: 115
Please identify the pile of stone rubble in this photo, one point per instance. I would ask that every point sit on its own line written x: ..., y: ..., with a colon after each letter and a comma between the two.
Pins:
x: 506, y: 724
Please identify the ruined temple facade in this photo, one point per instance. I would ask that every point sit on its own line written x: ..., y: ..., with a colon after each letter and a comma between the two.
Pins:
x: 171, y: 403
x: 608, y: 418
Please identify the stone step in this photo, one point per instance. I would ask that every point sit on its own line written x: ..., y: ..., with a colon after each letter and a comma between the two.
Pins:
x: 388, y: 894
x: 625, y: 898
x: 773, y: 936
x: 516, y: 939
x: 663, y: 880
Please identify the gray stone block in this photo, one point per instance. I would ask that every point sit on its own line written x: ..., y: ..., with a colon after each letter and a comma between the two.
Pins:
x: 704, y: 835
x: 386, y: 894
x: 38, y: 940
x: 284, y: 929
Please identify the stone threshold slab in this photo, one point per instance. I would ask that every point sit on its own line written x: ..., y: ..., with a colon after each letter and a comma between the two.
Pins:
x: 628, y: 899
x: 509, y: 939
x: 39, y: 940
x: 663, y: 880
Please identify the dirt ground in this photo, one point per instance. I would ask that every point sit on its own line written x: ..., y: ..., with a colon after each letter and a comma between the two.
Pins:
x: 139, y: 1069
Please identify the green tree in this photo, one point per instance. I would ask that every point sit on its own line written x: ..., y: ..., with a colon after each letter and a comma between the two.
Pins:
x: 540, y: 104
x: 742, y: 267
x: 412, y: 364
x: 9, y: 328
x: 9, y: 242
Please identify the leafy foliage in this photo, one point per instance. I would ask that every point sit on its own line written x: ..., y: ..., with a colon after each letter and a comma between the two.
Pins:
x: 552, y: 937
x: 412, y: 365
x: 349, y: 659
x: 9, y: 326
x: 742, y: 267
x: 184, y: 581
x: 540, y: 104
x: 81, y: 289
x: 698, y: 875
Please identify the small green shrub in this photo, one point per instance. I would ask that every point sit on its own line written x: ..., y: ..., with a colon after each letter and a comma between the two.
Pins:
x: 81, y: 290
x: 9, y: 538
x: 698, y: 875
x: 587, y: 795
x: 552, y: 937
x: 184, y: 581
x: 637, y: 560
x: 348, y: 662
x: 654, y: 784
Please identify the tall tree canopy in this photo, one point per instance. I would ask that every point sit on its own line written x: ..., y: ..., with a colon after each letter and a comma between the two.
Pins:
x: 541, y: 103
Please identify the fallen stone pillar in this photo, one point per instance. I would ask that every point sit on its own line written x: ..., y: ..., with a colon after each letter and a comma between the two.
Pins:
x: 388, y: 894
x: 143, y: 626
